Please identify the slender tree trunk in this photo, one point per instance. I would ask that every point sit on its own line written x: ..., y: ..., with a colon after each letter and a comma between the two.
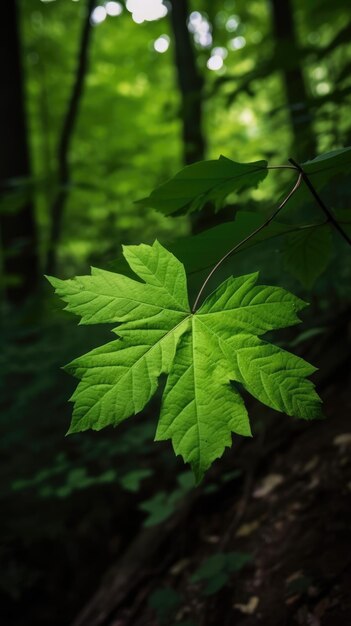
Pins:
x: 17, y: 224
x: 69, y: 122
x: 190, y: 84
x: 287, y: 51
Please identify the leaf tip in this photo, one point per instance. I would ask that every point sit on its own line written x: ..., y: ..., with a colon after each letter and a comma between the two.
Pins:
x: 55, y: 282
x: 69, y: 368
x: 198, y: 476
x: 142, y: 201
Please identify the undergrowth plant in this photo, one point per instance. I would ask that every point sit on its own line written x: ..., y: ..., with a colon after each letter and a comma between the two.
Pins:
x: 211, y: 347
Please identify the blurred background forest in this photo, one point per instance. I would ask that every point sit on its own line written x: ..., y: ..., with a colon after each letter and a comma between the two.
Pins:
x: 101, y: 102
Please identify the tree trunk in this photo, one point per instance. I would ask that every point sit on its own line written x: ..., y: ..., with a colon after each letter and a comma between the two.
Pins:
x: 190, y: 84
x: 288, y: 55
x: 17, y: 224
x: 66, y: 139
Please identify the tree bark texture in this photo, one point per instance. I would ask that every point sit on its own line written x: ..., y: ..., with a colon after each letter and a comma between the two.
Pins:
x: 65, y: 141
x: 190, y: 84
x: 288, y: 56
x: 17, y: 215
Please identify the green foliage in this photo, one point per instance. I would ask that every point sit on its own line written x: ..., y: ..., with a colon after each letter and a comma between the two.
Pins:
x: 344, y: 218
x: 132, y: 480
x: 126, y: 141
x: 329, y: 163
x: 162, y: 505
x: 326, y: 172
x: 205, y: 181
x: 202, y: 251
x: 308, y: 253
x: 308, y: 248
x: 159, y: 508
x: 216, y: 570
x: 200, y: 352
x: 47, y: 466
x: 212, y: 181
x: 226, y: 477
x: 165, y: 601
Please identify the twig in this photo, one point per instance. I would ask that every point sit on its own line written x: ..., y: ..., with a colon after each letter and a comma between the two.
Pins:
x: 241, y: 243
x: 320, y: 202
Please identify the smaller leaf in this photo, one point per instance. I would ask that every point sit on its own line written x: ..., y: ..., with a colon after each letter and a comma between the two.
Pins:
x: 186, y: 481
x: 339, y: 160
x: 216, y: 569
x: 323, y: 169
x: 205, y: 181
x: 162, y: 505
x: 159, y: 509
x: 237, y: 560
x: 307, y: 254
x: 132, y: 480
x: 165, y: 602
x: 229, y: 476
x: 210, y: 567
x: 202, y: 251
x: 216, y: 584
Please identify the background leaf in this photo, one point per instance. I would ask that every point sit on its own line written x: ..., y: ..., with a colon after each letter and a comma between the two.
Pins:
x: 165, y: 601
x: 335, y: 162
x: 216, y: 570
x: 205, y: 181
x: 307, y: 254
x: 205, y: 249
x: 132, y: 480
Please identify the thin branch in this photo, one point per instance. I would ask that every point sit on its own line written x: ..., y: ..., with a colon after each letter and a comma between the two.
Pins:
x: 320, y: 202
x: 241, y: 243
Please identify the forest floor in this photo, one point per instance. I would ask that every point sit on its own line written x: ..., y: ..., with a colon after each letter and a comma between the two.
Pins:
x: 290, y: 510
x: 295, y: 517
x: 281, y: 501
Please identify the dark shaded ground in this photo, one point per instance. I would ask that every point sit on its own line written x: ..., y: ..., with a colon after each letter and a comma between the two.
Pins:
x: 288, y: 506
x: 290, y: 510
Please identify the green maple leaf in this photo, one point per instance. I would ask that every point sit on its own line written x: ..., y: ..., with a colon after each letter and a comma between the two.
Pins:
x: 205, y: 181
x: 200, y: 352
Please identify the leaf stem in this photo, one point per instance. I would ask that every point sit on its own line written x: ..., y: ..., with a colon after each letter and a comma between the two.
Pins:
x: 281, y: 167
x: 320, y: 202
x: 254, y: 232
